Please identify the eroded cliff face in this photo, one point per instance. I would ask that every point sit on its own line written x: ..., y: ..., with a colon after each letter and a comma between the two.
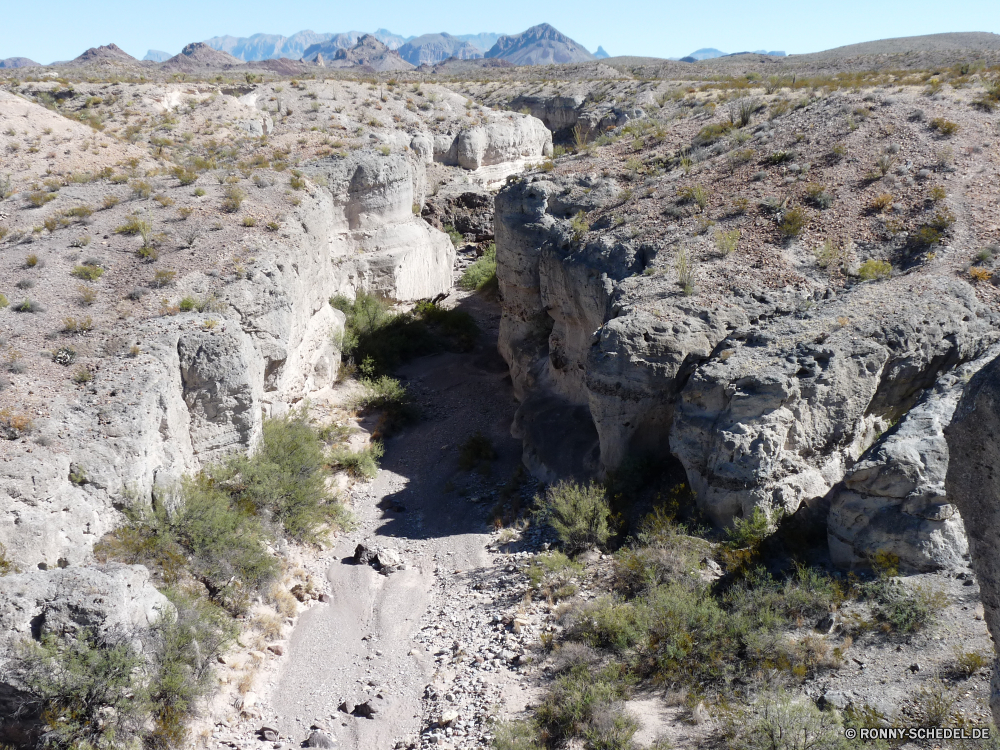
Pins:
x: 769, y: 399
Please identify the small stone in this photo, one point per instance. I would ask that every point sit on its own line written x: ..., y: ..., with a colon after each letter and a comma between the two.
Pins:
x: 277, y: 649
x: 834, y: 698
x: 448, y: 718
x: 320, y: 739
x: 269, y: 734
x: 346, y: 707
x: 365, y: 710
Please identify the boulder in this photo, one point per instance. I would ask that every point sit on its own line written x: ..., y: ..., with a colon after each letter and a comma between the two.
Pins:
x: 317, y: 738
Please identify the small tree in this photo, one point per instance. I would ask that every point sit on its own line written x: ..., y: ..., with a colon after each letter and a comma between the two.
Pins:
x: 579, y: 514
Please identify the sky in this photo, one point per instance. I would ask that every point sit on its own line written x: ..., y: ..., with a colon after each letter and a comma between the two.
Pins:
x: 50, y: 30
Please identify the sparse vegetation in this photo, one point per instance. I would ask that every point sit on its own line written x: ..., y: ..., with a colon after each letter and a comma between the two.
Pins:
x: 793, y: 222
x: 481, y: 275
x: 579, y: 514
x: 873, y: 270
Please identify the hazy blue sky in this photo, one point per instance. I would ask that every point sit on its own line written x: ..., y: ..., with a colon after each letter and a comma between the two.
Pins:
x: 48, y: 30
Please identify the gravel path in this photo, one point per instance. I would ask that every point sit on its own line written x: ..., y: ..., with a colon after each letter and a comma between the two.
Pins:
x: 381, y: 639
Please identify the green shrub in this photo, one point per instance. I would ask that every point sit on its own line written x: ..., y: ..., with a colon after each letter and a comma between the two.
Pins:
x: 793, y: 222
x: 726, y: 242
x: 517, y: 735
x: 476, y: 451
x: 77, y: 681
x: 29, y: 305
x: 389, y: 396
x: 481, y: 275
x: 87, y: 272
x: 187, y: 304
x: 4, y: 302
x: 712, y: 133
x: 694, y: 194
x: 578, y: 705
x: 785, y: 723
x: 945, y: 127
x: 551, y: 573
x: 579, y: 514
x: 579, y: 226
x: 233, y: 198
x: 457, y: 239
x: 283, y: 479
x: 374, y: 333
x: 362, y: 464
x: 872, y: 270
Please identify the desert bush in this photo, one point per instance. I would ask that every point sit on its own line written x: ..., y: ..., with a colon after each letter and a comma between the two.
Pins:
x: 141, y: 189
x: 477, y: 450
x: 685, y: 271
x: 726, y: 242
x: 783, y: 722
x: 454, y: 235
x: 967, y: 663
x: 945, y: 127
x: 373, y: 332
x: 28, y: 305
x: 87, y: 272
x: 780, y: 157
x: 793, y: 222
x: 872, y: 270
x: 361, y: 464
x: 233, y: 198
x: 579, y: 514
x: 742, y: 110
x: 712, y: 133
x: 517, y: 735
x: 693, y: 194
x: 481, y: 275
x: 580, y: 705
x: 818, y: 196
x: 283, y: 479
x: 881, y: 203
x: 579, y: 226
x: 980, y: 274
x: 830, y: 255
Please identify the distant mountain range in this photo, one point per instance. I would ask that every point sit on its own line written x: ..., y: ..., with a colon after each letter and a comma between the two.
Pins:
x: 542, y: 44
x: 17, y: 62
x: 309, y: 43
x: 708, y: 53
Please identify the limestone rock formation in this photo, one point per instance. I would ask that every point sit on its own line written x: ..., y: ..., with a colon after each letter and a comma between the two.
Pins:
x: 375, y: 239
x: 894, y: 499
x: 501, y: 147
x: 973, y: 485
x: 766, y: 399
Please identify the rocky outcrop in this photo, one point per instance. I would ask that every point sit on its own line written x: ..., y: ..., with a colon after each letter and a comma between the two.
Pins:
x: 100, y: 600
x: 894, y: 499
x: 562, y: 113
x: 499, y: 148
x: 767, y: 399
x: 973, y: 485
x: 375, y: 239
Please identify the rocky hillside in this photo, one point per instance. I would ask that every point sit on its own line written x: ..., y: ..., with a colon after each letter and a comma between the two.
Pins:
x: 146, y: 243
x: 539, y: 45
x: 368, y: 53
x: 755, y: 303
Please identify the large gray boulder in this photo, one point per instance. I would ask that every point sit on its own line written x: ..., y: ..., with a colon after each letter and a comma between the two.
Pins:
x: 894, y: 499
x: 972, y: 483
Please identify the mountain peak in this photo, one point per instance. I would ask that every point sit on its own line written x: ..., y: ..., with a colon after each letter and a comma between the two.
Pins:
x: 540, y: 45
